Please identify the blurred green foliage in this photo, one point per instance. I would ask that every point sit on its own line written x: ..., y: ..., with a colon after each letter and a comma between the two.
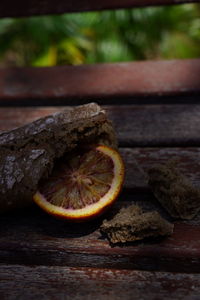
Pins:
x: 109, y: 36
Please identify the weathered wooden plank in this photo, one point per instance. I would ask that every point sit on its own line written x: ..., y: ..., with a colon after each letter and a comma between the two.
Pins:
x: 39, y: 7
x: 157, y: 125
x: 138, y: 160
x: 136, y: 125
x: 139, y: 125
x: 168, y: 125
x: 34, y: 238
x: 69, y: 83
x: 55, y: 283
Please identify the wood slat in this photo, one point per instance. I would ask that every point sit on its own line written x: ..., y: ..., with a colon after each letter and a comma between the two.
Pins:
x: 138, y: 160
x: 136, y: 125
x: 34, y: 238
x: 69, y: 84
x: 157, y: 125
x: 133, y: 126
x: 55, y: 283
x: 39, y: 7
x: 139, y: 125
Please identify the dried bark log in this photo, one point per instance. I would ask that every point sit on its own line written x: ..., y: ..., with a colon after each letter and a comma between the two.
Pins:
x: 28, y: 154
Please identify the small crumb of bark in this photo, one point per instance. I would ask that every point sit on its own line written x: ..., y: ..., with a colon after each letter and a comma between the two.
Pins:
x: 174, y: 191
x: 132, y: 224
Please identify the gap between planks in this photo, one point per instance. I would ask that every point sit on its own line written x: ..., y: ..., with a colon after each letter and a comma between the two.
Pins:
x: 36, y: 7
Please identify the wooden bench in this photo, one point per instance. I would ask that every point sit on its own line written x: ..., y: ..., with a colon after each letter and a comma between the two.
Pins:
x: 155, y: 108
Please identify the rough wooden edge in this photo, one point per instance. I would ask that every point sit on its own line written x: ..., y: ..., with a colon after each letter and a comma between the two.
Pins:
x: 39, y: 7
x: 144, y: 78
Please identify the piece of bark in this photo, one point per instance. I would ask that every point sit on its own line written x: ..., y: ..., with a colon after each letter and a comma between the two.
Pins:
x: 29, y: 153
x: 132, y: 224
x: 174, y: 191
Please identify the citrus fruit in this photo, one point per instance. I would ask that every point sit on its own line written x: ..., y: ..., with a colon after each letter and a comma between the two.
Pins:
x: 83, y: 185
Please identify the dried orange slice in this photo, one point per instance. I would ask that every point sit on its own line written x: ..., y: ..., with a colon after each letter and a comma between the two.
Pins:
x: 83, y: 186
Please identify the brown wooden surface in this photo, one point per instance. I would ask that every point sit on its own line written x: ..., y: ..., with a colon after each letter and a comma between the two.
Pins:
x: 41, y: 7
x: 34, y: 238
x: 42, y: 257
x: 91, y: 283
x: 45, y: 258
x: 22, y: 240
x: 136, y: 125
x: 145, y: 125
x: 150, y: 78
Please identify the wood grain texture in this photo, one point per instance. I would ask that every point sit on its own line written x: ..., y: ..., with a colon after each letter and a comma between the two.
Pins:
x: 139, y: 125
x: 39, y: 7
x: 136, y: 125
x: 69, y: 83
x: 34, y: 238
x: 59, y: 283
x: 138, y: 160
